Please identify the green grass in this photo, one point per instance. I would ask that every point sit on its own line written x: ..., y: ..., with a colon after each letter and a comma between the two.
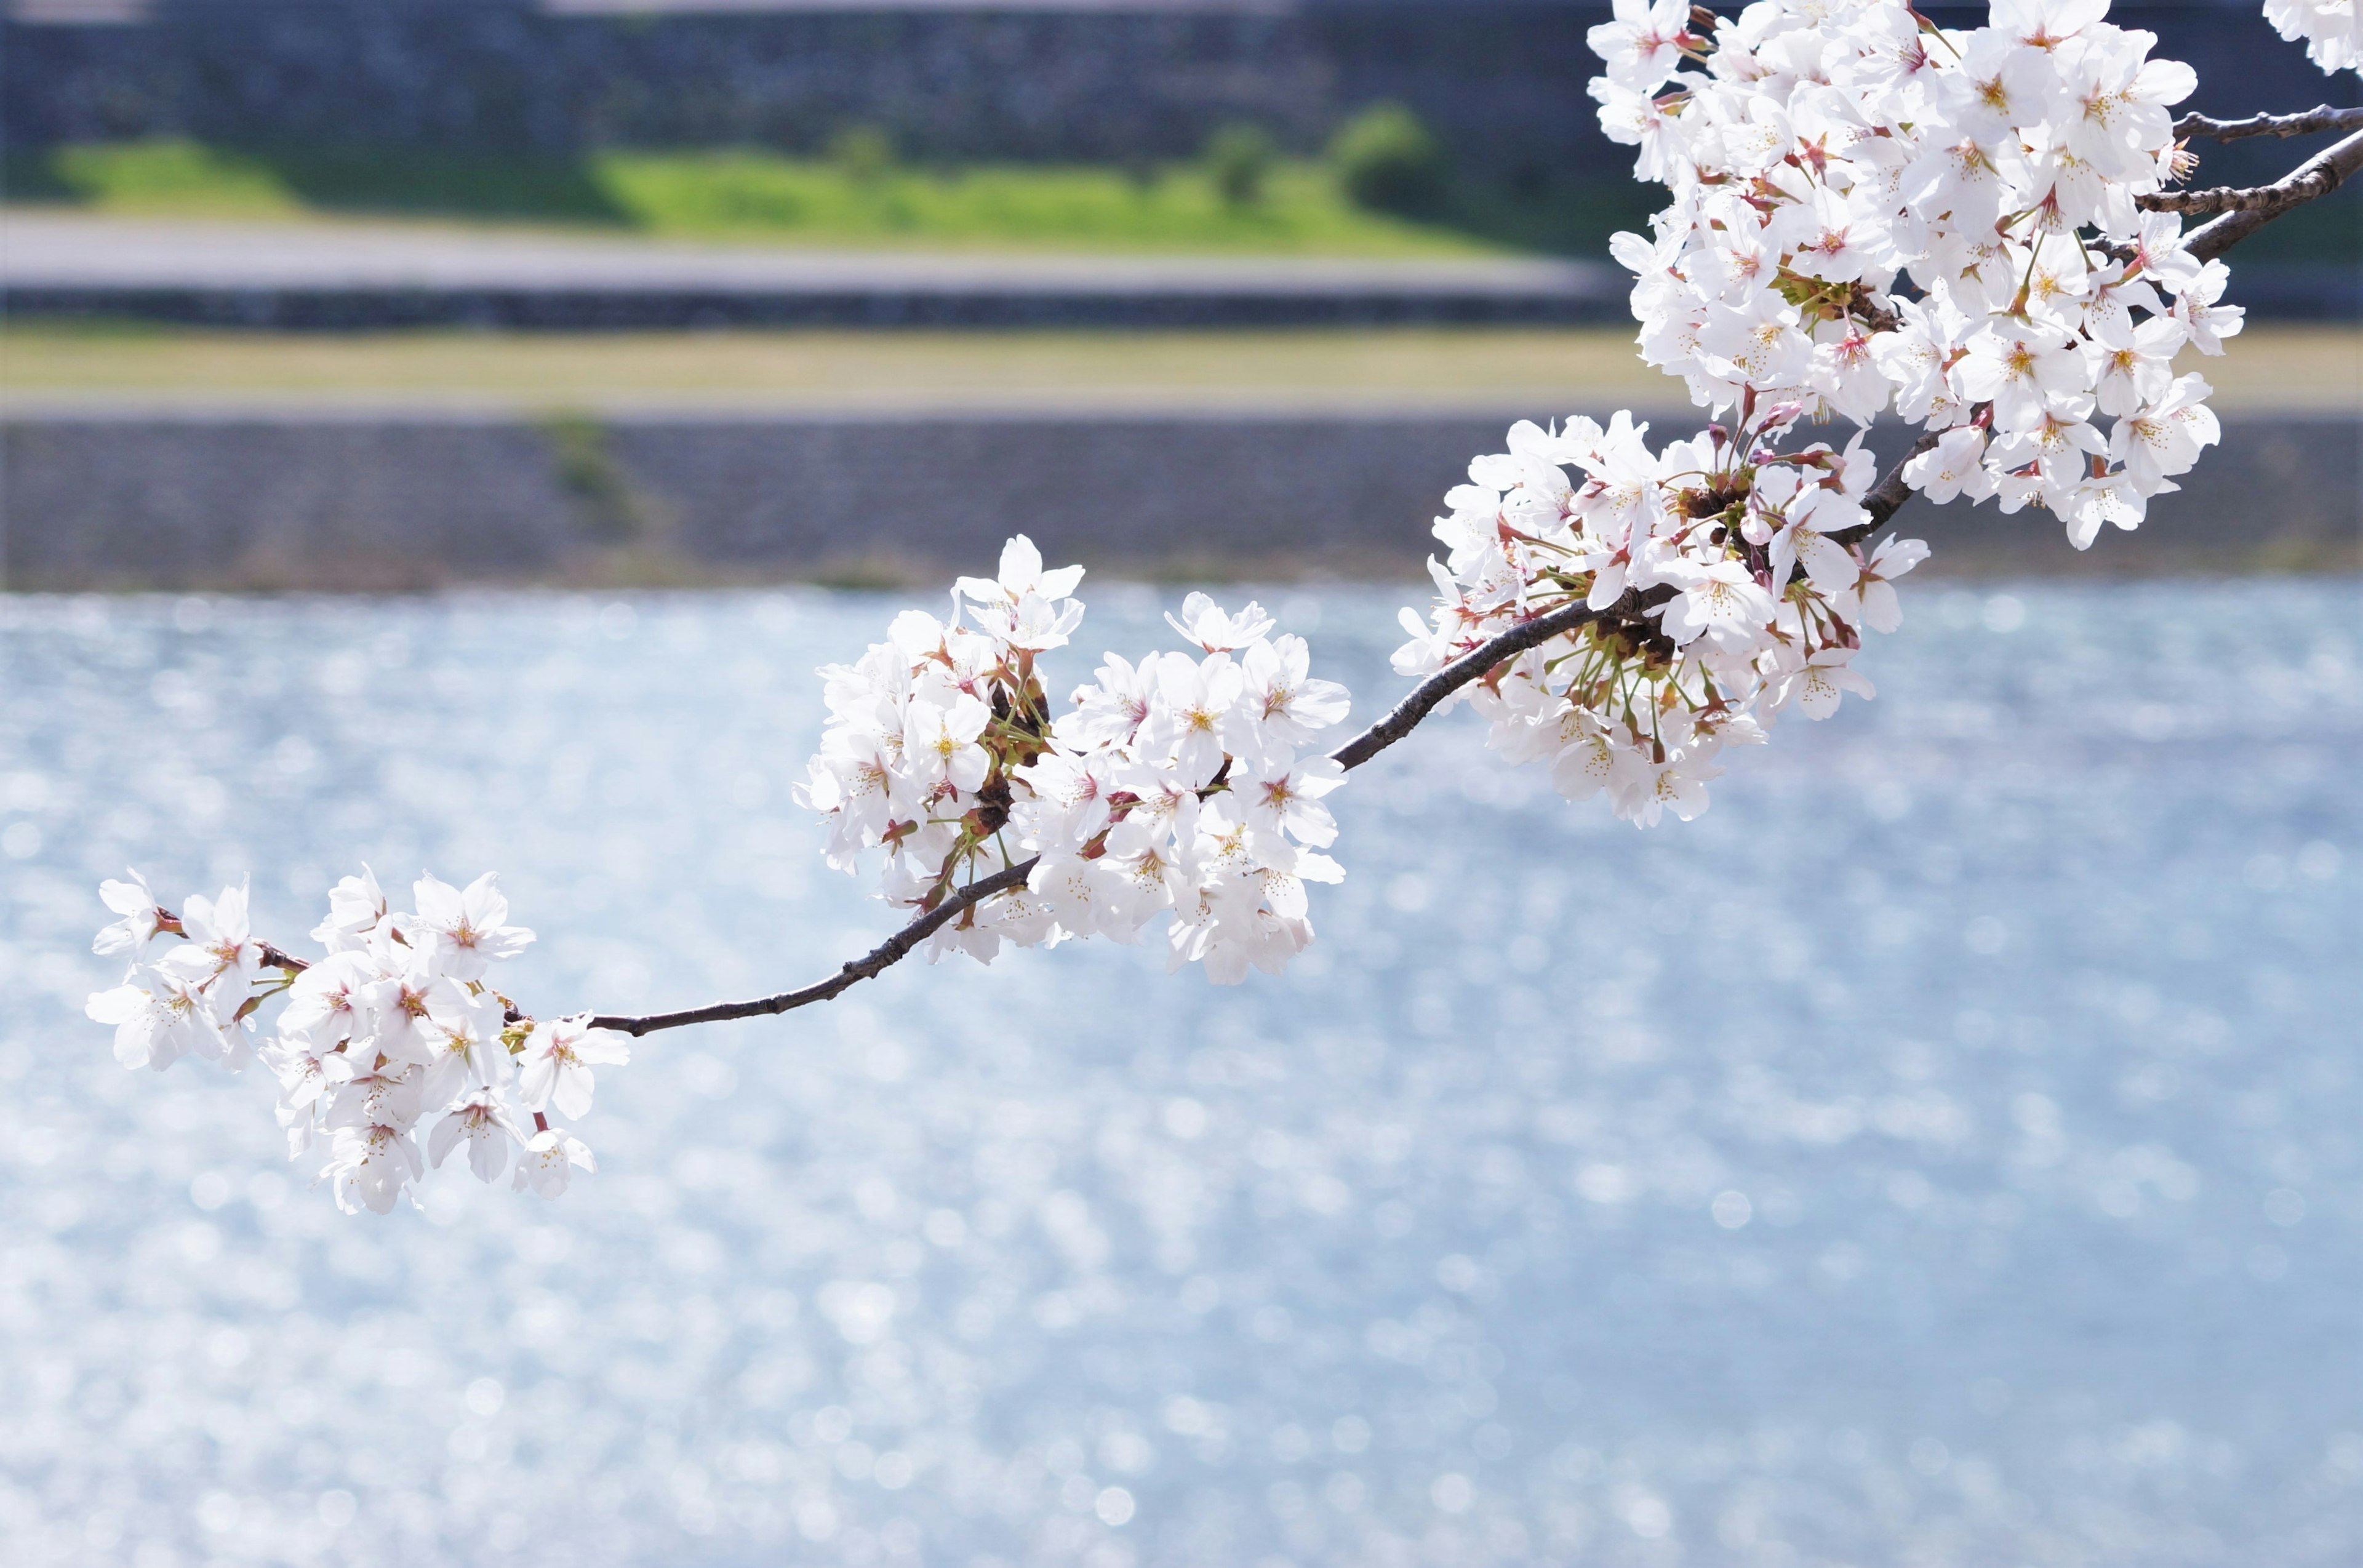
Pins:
x: 751, y: 195
x: 757, y: 195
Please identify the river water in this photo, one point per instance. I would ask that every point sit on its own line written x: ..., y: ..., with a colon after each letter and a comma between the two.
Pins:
x: 1946, y: 1150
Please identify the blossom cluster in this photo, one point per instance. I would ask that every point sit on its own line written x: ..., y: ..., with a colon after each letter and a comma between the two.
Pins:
x: 1189, y: 783
x: 2334, y: 39
x: 394, y: 1027
x: 1871, y: 211
x: 1724, y: 582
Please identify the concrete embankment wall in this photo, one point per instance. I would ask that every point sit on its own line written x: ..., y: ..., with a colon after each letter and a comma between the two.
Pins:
x: 179, y: 501
x: 1502, y: 81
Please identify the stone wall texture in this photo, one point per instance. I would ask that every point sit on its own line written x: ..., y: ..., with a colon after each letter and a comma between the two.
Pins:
x: 346, y: 504
x: 1503, y: 80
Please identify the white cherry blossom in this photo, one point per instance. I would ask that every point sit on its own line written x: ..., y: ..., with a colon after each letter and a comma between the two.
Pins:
x: 356, y: 905
x: 1726, y: 581
x: 468, y: 928
x: 222, y: 953
x: 159, y: 1017
x: 556, y: 1062
x: 1818, y: 158
x: 1204, y: 622
x: 142, y: 916
x: 485, y: 1121
x: 2334, y: 39
x: 549, y: 1162
x: 392, y: 1027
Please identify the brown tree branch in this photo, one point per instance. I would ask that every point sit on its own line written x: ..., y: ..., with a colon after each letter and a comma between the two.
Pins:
x: 1404, y: 716
x: 1400, y: 721
x: 2246, y: 211
x: 2318, y: 176
x: 2311, y: 123
x: 878, y: 960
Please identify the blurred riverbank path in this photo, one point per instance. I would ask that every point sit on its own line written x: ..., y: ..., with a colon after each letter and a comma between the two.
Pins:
x: 363, y: 275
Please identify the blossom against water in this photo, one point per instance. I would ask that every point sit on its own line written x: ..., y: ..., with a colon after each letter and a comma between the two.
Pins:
x: 357, y: 908
x: 549, y: 1162
x: 159, y: 1017
x: 468, y: 928
x: 1216, y: 630
x: 142, y: 916
x: 485, y: 1123
x: 1865, y: 211
x: 555, y: 1066
x: 221, y: 953
x: 389, y: 1031
x: 1131, y: 799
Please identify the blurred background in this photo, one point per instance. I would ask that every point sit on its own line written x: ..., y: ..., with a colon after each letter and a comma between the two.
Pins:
x: 450, y: 435
x: 402, y: 292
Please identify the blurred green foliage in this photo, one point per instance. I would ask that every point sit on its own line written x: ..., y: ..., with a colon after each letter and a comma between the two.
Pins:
x: 1386, y: 159
x: 1367, y: 198
x: 862, y: 154
x: 1239, y: 159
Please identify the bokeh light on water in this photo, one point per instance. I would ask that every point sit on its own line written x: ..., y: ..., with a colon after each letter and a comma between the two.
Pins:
x: 1944, y: 1151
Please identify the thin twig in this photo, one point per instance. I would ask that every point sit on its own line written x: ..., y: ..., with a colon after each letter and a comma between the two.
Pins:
x: 891, y: 951
x: 1480, y: 661
x: 2313, y: 122
x: 2246, y: 211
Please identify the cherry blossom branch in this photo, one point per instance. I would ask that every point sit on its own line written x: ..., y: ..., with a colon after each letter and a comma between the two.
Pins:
x: 2309, y: 180
x: 1886, y: 498
x: 876, y: 961
x: 1398, y: 722
x: 2317, y: 176
x: 2313, y: 122
x: 1423, y: 698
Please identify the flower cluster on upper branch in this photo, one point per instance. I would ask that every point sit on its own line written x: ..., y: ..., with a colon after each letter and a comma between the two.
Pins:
x: 2334, y: 38
x: 1870, y: 211
x: 1722, y: 593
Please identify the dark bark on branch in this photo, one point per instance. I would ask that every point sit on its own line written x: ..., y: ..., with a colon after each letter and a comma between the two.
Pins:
x: 1404, y: 716
x: 2313, y: 122
x: 2246, y: 211
x: 886, y: 954
x: 2316, y: 177
x: 1886, y: 498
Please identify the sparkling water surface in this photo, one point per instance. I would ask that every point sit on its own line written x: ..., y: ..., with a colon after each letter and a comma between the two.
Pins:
x: 1944, y: 1151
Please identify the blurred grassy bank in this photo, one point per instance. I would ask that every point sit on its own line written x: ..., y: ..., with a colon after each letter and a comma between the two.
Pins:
x: 861, y: 196
x: 1271, y: 205
x: 2311, y: 369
